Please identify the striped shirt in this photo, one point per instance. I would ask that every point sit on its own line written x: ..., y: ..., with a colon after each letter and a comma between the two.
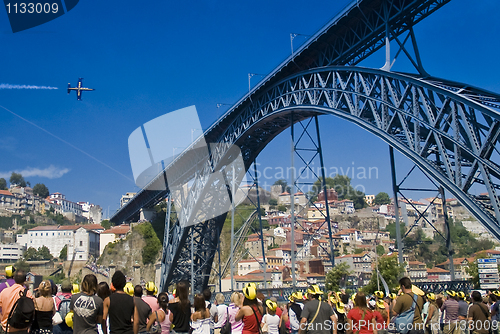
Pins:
x: 236, y: 326
x: 451, y: 307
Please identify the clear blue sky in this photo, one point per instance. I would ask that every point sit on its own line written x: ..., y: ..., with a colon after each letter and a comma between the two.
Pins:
x: 148, y: 58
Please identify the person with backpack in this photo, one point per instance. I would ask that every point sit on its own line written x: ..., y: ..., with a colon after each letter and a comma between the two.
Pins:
x: 406, y: 302
x: 478, y: 315
x: 8, y: 299
x: 317, y: 316
x: 295, y: 311
x: 62, y: 301
x: 87, y: 307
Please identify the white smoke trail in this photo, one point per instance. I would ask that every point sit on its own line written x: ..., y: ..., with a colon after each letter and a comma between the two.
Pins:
x: 9, y: 86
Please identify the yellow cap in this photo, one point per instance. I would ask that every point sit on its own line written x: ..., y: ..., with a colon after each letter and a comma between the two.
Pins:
x: 271, y: 305
x: 314, y: 290
x: 129, y: 289
x: 9, y: 271
x: 393, y: 295
x: 416, y: 290
x: 69, y: 319
x: 341, y: 307
x: 460, y: 294
x: 451, y: 293
x: 250, y: 292
x: 156, y: 290
x: 431, y: 296
x: 333, y: 299
x: 379, y: 294
x: 75, y: 289
x: 252, y: 284
x: 150, y: 286
x: 380, y: 303
x: 496, y: 293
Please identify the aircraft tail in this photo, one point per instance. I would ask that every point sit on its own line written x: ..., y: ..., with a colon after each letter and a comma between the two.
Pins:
x: 69, y: 86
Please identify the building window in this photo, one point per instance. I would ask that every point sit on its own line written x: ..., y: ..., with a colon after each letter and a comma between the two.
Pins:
x: 81, y: 244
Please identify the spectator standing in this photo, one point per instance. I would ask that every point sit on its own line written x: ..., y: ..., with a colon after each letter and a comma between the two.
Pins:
x: 119, y: 306
x: 271, y: 318
x: 432, y: 320
x: 233, y: 308
x: 360, y: 319
x: 214, y: 317
x: 149, y: 298
x: 9, y: 278
x: 87, y: 307
x: 222, y: 311
x: 103, y: 291
x: 462, y: 311
x: 63, y: 308
x: 142, y: 311
x: 162, y: 315
x: 450, y: 306
x: 405, y: 301
x: 478, y: 315
x: 295, y: 311
x: 181, y: 308
x: 44, y: 309
x: 201, y: 318
x: 9, y: 296
x: 317, y: 316
x: 251, y: 312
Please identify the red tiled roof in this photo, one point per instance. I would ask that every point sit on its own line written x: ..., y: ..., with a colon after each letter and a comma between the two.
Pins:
x: 120, y: 229
x: 6, y: 193
x: 437, y: 270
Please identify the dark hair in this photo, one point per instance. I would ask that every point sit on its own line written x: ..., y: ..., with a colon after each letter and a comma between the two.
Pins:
x: 493, y: 298
x: 199, y: 302
x: 163, y: 301
x: 476, y: 296
x: 405, y: 282
x: 20, y: 276
x: 118, y: 280
x: 439, y: 302
x: 54, y: 287
x: 89, y: 284
x: 250, y: 302
x: 360, y: 300
x: 344, y: 298
x: 150, y: 293
x: 103, y: 290
x: 181, y: 291
x: 207, y: 294
x: 138, y: 291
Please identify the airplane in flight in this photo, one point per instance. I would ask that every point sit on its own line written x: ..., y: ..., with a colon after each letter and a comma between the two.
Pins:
x: 79, y: 89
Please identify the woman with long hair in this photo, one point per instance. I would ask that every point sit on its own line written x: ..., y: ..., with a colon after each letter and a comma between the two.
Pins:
x: 233, y: 308
x: 381, y: 316
x: 180, y: 306
x: 103, y: 291
x: 251, y: 312
x: 163, y: 315
x: 200, y: 319
x: 360, y: 318
x: 432, y: 319
x: 44, y: 309
x: 87, y: 307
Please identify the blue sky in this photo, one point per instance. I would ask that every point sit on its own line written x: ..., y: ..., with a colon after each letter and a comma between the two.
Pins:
x: 148, y: 58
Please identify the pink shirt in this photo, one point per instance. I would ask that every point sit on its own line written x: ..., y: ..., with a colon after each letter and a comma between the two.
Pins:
x: 152, y: 302
x: 236, y: 326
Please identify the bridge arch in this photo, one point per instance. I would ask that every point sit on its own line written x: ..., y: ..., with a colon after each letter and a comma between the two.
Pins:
x: 450, y: 130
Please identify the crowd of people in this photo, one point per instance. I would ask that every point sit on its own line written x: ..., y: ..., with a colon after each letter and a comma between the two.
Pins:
x: 121, y: 308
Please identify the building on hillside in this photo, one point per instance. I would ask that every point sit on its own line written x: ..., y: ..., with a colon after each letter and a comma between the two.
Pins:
x: 113, y: 234
x: 438, y: 275
x: 369, y: 199
x: 66, y: 206
x: 279, y: 220
x: 345, y: 206
x: 318, y: 212
x: 350, y: 236
x: 460, y: 264
x: 7, y: 201
x: 92, y: 212
x: 246, y: 266
x: 10, y: 253
x: 417, y: 271
x: 331, y: 195
x: 126, y: 198
x: 83, y: 240
x: 360, y: 264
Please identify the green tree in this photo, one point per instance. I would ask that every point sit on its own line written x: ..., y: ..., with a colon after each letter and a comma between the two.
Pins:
x: 273, y: 202
x: 17, y: 179
x: 337, y: 277
x: 343, y: 187
x: 358, y: 250
x: 64, y: 253
x: 3, y: 184
x: 44, y: 253
x: 390, y: 270
x: 21, y: 264
x: 106, y: 224
x: 153, y: 245
x: 41, y: 190
x: 380, y: 250
x: 382, y: 198
x: 31, y: 254
x: 284, y: 185
x: 281, y: 208
x: 391, y: 228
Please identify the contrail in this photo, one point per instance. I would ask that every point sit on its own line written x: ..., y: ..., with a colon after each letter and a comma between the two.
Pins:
x: 9, y: 86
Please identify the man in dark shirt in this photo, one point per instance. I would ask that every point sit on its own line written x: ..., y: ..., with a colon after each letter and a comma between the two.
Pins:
x: 317, y: 317
x: 478, y: 315
x: 141, y: 311
x: 404, y: 303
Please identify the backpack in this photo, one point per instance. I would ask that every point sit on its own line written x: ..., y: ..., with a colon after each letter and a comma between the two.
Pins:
x: 63, y: 308
x: 226, y: 328
x: 23, y: 312
x: 403, y: 322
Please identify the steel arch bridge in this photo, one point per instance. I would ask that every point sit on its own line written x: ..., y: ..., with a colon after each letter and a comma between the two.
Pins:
x: 448, y: 129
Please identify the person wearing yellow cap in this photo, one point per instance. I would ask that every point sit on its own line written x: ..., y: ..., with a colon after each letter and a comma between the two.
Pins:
x: 463, y: 307
x: 450, y: 307
x: 9, y: 278
x: 295, y: 311
x: 150, y: 298
x: 316, y: 313
x: 406, y: 302
x: 432, y: 319
x: 251, y: 312
x: 271, y: 319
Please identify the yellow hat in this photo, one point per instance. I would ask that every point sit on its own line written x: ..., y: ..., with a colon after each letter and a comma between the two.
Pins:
x: 460, y: 294
x: 9, y: 271
x: 416, y: 290
x: 271, y: 305
x: 393, y: 295
x: 129, y: 289
x: 379, y: 294
x: 69, y: 319
x: 75, y: 289
x: 306, y: 296
x: 341, y: 307
x: 298, y: 295
x: 431, y: 296
x: 496, y: 293
x: 156, y: 290
x: 314, y: 290
x: 252, y: 284
x: 250, y: 292
x: 334, y: 299
x: 150, y: 286
x: 353, y: 296
x: 380, y: 303
x: 451, y: 293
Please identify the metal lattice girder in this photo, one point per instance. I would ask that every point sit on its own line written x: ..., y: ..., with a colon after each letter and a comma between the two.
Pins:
x: 426, y: 121
x: 351, y: 36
